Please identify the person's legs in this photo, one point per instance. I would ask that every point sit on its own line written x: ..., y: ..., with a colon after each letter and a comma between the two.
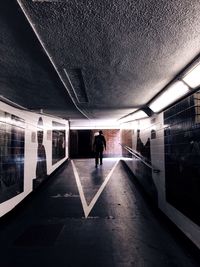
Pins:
x: 101, y: 157
x: 96, y: 158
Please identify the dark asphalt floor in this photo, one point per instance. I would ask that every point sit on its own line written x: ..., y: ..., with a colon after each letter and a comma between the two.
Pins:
x: 105, y: 221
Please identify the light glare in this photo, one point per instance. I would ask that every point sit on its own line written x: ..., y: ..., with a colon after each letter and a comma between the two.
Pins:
x: 135, y: 116
x: 94, y: 124
x: 192, y: 78
x: 169, y: 96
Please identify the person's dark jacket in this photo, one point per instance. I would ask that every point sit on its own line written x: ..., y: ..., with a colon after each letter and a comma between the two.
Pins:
x: 99, y: 143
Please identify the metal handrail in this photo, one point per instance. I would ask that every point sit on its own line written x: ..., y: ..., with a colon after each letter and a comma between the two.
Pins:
x: 136, y: 155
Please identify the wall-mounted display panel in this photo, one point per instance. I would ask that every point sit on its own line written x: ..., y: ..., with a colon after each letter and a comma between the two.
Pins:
x: 58, y: 142
x: 12, y: 134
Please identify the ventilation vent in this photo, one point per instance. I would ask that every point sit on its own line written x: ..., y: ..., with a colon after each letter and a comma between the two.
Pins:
x: 76, y: 84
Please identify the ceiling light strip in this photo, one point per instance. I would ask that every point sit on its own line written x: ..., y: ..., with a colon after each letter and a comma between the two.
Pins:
x: 192, y: 76
x: 172, y: 93
x: 138, y: 115
x: 43, y: 46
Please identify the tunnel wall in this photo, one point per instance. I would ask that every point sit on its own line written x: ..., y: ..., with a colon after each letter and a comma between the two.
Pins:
x: 32, y: 146
x: 170, y: 141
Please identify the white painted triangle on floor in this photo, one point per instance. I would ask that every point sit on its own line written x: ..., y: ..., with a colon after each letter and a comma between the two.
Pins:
x: 87, y: 208
x: 91, y: 178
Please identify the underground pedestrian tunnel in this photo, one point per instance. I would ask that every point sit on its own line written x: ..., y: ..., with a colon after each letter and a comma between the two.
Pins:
x: 69, y: 69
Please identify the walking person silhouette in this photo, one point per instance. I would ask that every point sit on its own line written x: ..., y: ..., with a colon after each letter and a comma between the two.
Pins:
x: 98, y: 146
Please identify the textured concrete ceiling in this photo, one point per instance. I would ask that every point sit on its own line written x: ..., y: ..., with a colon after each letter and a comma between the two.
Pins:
x: 26, y: 74
x: 112, y: 56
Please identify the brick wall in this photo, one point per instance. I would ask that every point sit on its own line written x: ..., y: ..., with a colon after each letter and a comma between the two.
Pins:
x: 112, y: 136
x: 81, y: 143
x: 126, y: 139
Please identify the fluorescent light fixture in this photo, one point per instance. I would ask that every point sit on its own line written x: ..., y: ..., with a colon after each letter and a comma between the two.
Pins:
x: 135, y: 116
x: 94, y: 124
x: 192, y: 78
x: 139, y: 115
x: 170, y: 95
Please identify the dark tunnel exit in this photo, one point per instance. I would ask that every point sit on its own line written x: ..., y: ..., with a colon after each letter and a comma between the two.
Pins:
x: 81, y: 144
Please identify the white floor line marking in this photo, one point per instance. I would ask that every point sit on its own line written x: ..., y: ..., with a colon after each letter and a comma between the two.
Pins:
x: 95, y: 198
x: 80, y: 189
x: 87, y: 208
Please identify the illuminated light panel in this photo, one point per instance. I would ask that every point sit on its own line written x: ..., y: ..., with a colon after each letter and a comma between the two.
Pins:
x: 173, y: 93
x: 135, y: 116
x: 139, y: 115
x: 94, y: 124
x: 192, y: 78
